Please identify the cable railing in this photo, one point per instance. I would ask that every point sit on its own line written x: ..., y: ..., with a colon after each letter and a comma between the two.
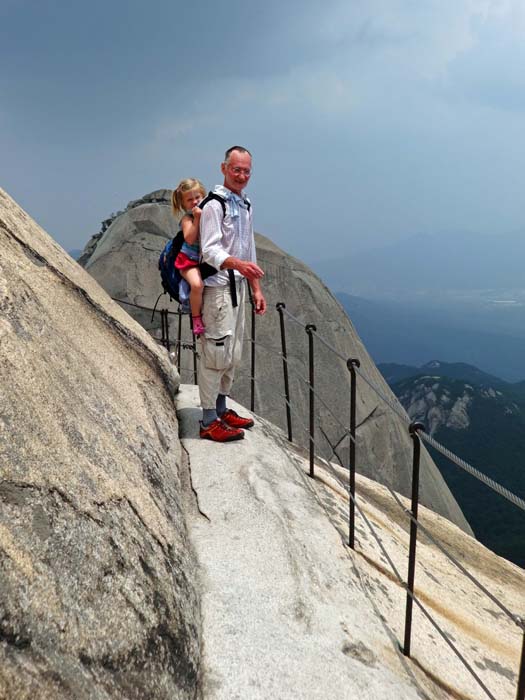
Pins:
x: 417, y: 434
x: 416, y: 429
x: 498, y: 488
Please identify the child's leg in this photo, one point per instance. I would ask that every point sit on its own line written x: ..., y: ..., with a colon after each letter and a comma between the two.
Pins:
x: 194, y: 279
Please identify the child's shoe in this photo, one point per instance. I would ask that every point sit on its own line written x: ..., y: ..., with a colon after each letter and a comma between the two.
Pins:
x: 198, y: 328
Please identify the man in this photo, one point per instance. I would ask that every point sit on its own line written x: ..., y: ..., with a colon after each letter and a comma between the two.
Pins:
x: 227, y: 243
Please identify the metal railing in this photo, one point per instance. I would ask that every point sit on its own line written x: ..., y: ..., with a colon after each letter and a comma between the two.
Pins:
x: 416, y: 431
x: 417, y: 434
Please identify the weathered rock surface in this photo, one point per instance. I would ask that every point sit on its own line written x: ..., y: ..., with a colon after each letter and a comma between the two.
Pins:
x: 97, y: 574
x: 431, y: 403
x: 125, y: 256
x: 157, y: 197
x: 124, y: 262
x: 291, y: 612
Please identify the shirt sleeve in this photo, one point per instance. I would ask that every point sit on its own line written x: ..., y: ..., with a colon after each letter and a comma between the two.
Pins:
x: 253, y: 252
x: 211, y: 235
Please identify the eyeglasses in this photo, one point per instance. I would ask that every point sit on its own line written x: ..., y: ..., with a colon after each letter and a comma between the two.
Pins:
x: 238, y: 171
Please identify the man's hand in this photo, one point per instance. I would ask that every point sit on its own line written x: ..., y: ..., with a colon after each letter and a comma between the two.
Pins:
x: 250, y: 270
x: 247, y: 269
x: 259, y: 301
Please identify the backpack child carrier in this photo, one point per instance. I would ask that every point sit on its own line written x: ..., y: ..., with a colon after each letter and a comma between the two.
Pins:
x: 170, y: 277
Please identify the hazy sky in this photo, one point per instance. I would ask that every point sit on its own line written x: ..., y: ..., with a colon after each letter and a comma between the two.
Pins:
x: 369, y: 120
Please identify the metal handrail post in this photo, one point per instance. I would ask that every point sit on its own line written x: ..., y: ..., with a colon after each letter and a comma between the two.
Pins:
x: 521, y: 680
x: 167, y: 324
x: 252, y: 373
x: 310, y: 328
x: 194, y: 351
x: 414, y: 427
x: 280, y: 306
x: 179, y: 344
x: 352, y: 364
x: 162, y: 329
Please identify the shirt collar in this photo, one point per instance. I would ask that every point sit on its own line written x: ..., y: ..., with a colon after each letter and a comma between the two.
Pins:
x: 234, y: 200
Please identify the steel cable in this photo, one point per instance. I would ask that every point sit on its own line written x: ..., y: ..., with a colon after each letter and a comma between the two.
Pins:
x: 419, y: 604
x: 512, y: 616
x: 247, y: 375
x: 144, y: 308
x: 344, y: 427
x: 300, y: 323
x: 498, y: 488
x: 519, y: 502
x: 306, y: 381
x: 330, y: 347
x: 394, y: 408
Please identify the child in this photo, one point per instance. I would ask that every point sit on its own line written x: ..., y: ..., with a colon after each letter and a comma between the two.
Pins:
x: 185, y: 199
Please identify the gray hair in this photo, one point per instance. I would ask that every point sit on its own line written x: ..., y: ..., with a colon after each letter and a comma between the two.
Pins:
x: 241, y: 149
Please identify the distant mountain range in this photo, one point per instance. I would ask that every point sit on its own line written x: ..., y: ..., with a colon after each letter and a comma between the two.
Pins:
x: 481, y: 418
x: 394, y: 373
x: 482, y: 335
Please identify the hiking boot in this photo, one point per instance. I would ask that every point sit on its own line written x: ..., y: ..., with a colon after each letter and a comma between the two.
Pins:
x: 220, y: 432
x: 198, y: 327
x: 234, y: 420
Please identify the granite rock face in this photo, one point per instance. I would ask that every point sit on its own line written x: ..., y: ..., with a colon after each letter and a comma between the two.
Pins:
x: 124, y: 254
x: 124, y: 262
x: 97, y: 575
x: 431, y: 403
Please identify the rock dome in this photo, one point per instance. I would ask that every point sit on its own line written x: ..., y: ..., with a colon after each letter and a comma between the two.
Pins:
x: 123, y: 259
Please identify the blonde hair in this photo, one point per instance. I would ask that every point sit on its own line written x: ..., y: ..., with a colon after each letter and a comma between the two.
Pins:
x: 186, y: 185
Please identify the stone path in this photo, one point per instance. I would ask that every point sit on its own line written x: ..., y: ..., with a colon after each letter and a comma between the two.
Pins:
x: 284, y: 616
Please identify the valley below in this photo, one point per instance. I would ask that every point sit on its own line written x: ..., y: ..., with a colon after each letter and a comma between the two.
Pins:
x: 472, y: 399
x: 480, y: 418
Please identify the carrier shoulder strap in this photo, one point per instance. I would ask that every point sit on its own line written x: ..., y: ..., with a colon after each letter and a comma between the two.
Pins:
x: 213, y: 196
x: 217, y: 197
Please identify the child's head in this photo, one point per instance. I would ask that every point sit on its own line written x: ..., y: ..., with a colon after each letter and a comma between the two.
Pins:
x: 184, y: 197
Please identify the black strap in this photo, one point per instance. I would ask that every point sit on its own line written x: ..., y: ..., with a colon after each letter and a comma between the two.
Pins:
x: 233, y: 288
x: 213, y: 196
x: 218, y: 198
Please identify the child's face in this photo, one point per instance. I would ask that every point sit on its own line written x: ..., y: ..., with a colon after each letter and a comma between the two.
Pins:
x: 190, y: 199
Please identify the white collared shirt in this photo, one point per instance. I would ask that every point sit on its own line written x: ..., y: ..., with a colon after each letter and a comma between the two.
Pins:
x: 222, y: 237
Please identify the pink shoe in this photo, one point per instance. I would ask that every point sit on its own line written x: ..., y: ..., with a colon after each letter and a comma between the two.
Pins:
x: 198, y: 328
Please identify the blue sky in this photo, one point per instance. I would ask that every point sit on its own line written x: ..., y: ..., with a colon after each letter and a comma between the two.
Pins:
x: 370, y: 121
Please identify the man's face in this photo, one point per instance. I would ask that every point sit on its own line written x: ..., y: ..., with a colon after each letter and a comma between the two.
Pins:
x: 237, y: 171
